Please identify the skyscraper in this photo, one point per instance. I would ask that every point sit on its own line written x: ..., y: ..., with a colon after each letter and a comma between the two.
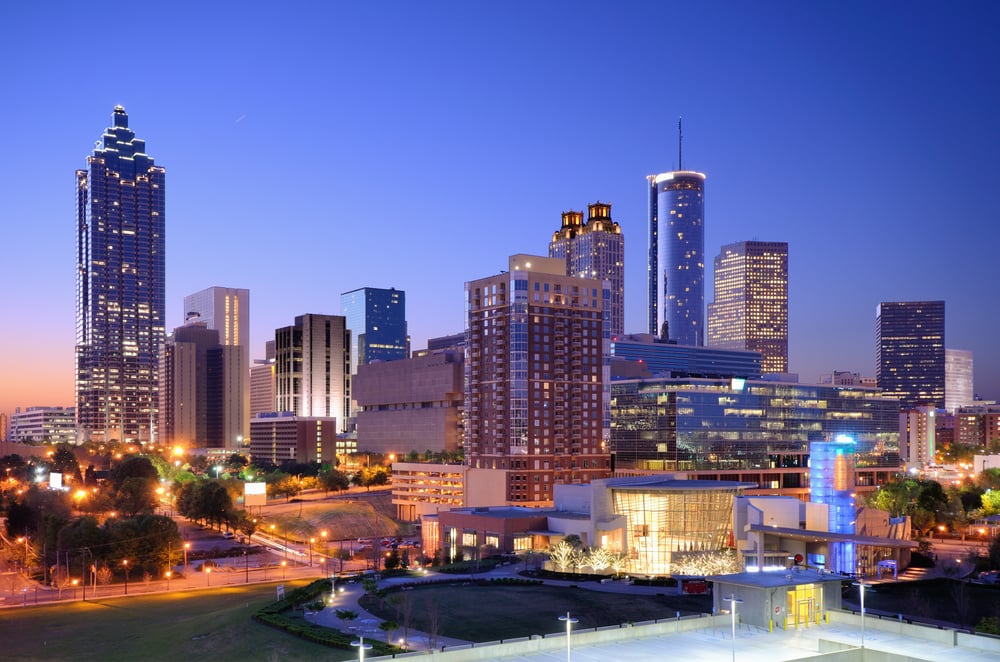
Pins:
x: 376, y: 319
x: 595, y: 250
x: 959, y: 388
x: 120, y: 289
x: 227, y: 310
x: 201, y: 390
x: 750, y: 310
x: 677, y: 256
x: 311, y: 369
x: 537, y: 377
x: 909, y: 352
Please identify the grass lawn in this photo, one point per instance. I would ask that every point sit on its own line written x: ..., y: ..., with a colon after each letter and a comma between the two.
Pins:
x: 487, y: 613
x: 195, y: 625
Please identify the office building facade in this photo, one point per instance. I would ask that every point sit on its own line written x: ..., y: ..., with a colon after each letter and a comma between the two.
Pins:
x: 663, y: 359
x: 50, y: 425
x: 595, y: 249
x: 201, y: 391
x: 959, y: 385
x: 120, y: 293
x: 752, y: 431
x: 910, y: 352
x: 283, y: 437
x: 750, y: 307
x: 676, y: 285
x: 227, y: 310
x: 536, y: 377
x: 376, y: 319
x: 312, y: 367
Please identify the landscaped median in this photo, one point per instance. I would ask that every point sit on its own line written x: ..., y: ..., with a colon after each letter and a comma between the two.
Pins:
x: 276, y: 616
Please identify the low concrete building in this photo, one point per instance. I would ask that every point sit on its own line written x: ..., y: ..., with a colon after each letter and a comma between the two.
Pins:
x: 786, y: 600
x: 411, y: 404
x: 423, y: 489
x: 284, y: 437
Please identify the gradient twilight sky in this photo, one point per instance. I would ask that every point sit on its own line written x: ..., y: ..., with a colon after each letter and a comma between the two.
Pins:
x: 314, y: 148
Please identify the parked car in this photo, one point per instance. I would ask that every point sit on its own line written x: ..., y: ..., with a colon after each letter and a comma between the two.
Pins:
x: 228, y: 535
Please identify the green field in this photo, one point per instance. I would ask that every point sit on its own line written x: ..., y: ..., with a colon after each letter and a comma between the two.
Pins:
x: 488, y: 613
x: 195, y: 625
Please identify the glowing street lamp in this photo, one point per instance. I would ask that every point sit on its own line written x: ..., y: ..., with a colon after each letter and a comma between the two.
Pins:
x: 362, y: 647
x: 125, y: 563
x: 312, y: 543
x: 284, y: 564
x: 569, y: 628
x: 861, y: 589
x: 208, y: 575
x: 168, y: 573
x: 187, y: 546
x: 733, y: 601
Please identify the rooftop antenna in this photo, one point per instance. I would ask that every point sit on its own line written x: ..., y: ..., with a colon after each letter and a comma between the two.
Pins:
x: 680, y: 144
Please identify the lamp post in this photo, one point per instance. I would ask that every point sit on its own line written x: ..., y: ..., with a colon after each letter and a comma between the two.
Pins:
x: 284, y: 564
x: 312, y: 543
x: 168, y: 573
x: 246, y: 564
x: 208, y: 576
x: 125, y: 563
x: 861, y: 590
x: 569, y: 628
x: 187, y: 546
x: 362, y: 647
x: 733, y: 601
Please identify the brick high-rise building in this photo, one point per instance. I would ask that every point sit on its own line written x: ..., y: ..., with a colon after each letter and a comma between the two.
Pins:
x: 537, y: 377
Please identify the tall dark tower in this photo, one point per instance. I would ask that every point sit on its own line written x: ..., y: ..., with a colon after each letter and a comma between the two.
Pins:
x: 120, y: 288
x: 910, y: 352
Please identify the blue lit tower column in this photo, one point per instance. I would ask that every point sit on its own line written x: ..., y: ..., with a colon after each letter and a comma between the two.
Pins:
x: 120, y: 289
x: 831, y: 481
x: 677, y: 235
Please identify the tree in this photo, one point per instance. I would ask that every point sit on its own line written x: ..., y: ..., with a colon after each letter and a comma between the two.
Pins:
x: 135, y: 496
x: 287, y: 487
x: 991, y: 503
x: 564, y: 556
x: 64, y: 461
x: 133, y: 466
x: 334, y: 480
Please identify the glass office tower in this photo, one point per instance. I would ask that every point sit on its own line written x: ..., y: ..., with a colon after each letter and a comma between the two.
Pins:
x: 376, y: 319
x: 677, y: 256
x: 910, y: 352
x: 120, y: 287
x: 750, y: 308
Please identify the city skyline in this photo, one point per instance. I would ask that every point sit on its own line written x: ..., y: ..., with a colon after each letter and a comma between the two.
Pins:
x: 813, y: 128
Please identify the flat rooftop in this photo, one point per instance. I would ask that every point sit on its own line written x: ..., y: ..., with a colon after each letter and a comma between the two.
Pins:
x: 714, y: 643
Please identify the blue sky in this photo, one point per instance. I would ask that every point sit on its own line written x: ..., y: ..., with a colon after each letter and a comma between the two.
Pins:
x: 314, y: 148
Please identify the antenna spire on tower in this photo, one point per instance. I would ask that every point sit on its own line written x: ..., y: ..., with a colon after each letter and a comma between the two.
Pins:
x: 680, y: 144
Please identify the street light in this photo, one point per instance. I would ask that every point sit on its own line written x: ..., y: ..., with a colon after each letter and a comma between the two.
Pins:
x: 284, y: 564
x: 187, y: 546
x: 125, y: 563
x: 312, y: 543
x: 569, y: 627
x: 861, y: 589
x: 733, y: 601
x: 362, y: 647
x: 208, y: 575
x: 168, y: 573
